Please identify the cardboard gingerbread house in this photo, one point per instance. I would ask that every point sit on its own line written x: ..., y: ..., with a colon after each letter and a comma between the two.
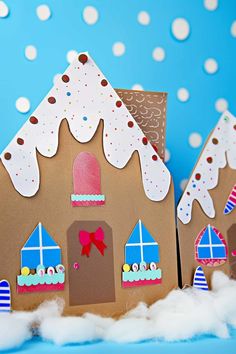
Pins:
x: 206, y: 211
x: 84, y: 169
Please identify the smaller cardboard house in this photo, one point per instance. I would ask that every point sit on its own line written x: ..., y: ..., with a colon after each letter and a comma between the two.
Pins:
x: 88, y: 191
x: 206, y: 211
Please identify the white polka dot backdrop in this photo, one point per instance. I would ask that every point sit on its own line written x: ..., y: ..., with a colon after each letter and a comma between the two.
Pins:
x: 211, y: 5
x: 4, y: 10
x: 183, y: 183
x: 158, y: 54
x: 71, y: 55
x: 30, y: 52
x: 167, y: 155
x: 144, y: 18
x: 233, y: 29
x: 90, y: 15
x: 180, y: 29
x: 137, y: 87
x: 211, y: 66
x: 23, y: 104
x: 183, y: 94
x: 221, y: 105
x: 43, y: 12
x: 56, y: 78
x: 195, y: 140
x: 118, y: 49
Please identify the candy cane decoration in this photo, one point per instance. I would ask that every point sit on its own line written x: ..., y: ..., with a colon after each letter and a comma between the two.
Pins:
x: 231, y: 202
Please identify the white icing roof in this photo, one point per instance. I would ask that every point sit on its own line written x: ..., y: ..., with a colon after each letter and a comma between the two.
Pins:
x: 219, y: 150
x: 83, y: 96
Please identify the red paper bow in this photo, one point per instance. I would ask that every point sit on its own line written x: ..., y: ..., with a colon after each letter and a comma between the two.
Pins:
x: 89, y: 238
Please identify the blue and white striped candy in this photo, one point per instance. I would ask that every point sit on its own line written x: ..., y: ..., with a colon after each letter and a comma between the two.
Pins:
x: 5, y: 296
x: 231, y: 202
x: 199, y: 280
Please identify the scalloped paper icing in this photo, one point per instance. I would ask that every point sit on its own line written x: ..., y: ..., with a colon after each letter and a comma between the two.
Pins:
x: 83, y: 97
x: 220, y: 149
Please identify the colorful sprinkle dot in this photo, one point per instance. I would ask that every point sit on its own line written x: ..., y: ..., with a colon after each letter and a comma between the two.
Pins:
x: 68, y: 93
x: 118, y: 104
x: 83, y: 58
x: 33, y: 120
x: 65, y: 78
x: 197, y: 176
x: 7, y: 156
x: 154, y: 157
x: 215, y: 141
x: 130, y: 124
x: 104, y: 82
x: 85, y: 119
x: 51, y: 100
x: 209, y: 159
x: 76, y: 265
x: 144, y: 140
x: 20, y: 141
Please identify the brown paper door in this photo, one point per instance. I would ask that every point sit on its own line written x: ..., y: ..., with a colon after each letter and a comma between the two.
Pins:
x: 232, y: 250
x: 91, y: 279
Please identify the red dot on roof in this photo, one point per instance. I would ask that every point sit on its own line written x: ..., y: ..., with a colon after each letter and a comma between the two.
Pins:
x: 51, y: 100
x: 235, y: 127
x: 65, y: 78
x: 83, y: 58
x: 20, y: 141
x: 154, y: 157
x: 33, y: 120
x: 104, y: 82
x: 144, y: 140
x: 130, y: 124
x: 118, y: 104
x: 7, y: 156
x: 155, y: 147
x: 197, y: 176
x: 209, y: 159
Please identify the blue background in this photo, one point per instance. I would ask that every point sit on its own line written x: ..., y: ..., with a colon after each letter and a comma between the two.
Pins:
x: 183, y: 65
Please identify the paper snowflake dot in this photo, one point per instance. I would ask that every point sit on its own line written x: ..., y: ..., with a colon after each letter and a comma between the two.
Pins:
x: 20, y: 141
x: 144, y: 18
x: 183, y: 94
x: 221, y: 105
x: 83, y: 58
x: 43, y: 12
x: 211, y: 66
x: 23, y: 104
x: 118, y: 104
x: 180, y: 29
x: 233, y: 29
x: 104, y: 82
x: 51, y: 100
x: 195, y: 140
x: 7, y: 156
x: 65, y: 78
x: 209, y: 159
x: 33, y: 120
x: 118, y: 49
x: 167, y: 155
x: 154, y: 157
x: 137, y: 87
x: 90, y: 15
x: 130, y: 124
x: 197, y: 176
x: 4, y: 10
x: 144, y: 140
x: 71, y: 55
x: 215, y: 141
x: 158, y: 54
x: 30, y: 52
x: 211, y: 5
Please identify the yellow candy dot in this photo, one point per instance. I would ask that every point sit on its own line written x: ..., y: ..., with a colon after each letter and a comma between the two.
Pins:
x: 25, y: 271
x: 126, y: 268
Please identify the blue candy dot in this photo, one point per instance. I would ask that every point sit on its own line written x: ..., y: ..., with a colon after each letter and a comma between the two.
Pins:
x: 68, y: 93
x: 194, y: 185
x: 85, y: 118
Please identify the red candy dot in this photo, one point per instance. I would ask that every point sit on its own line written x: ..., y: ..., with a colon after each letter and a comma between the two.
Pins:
x: 144, y: 140
x: 118, y: 104
x: 20, y: 141
x: 155, y: 147
x: 235, y: 127
x: 33, y: 120
x: 7, y: 156
x: 130, y: 124
x: 209, y: 159
x: 52, y: 100
x: 154, y: 157
x: 104, y: 82
x: 83, y: 58
x: 188, y: 193
x: 65, y: 78
x: 197, y: 176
